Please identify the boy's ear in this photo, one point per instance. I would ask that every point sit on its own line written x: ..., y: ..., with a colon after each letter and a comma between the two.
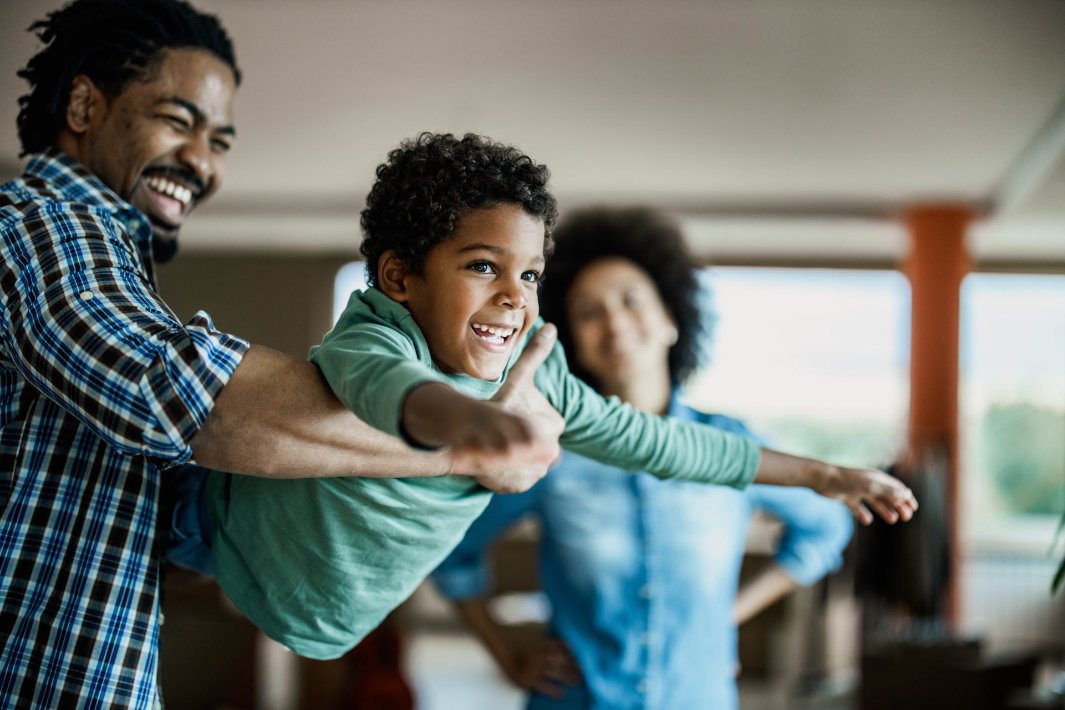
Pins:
x: 392, y: 275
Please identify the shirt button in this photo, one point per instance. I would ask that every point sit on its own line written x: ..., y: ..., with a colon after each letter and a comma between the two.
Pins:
x: 645, y: 591
x: 162, y: 618
x: 86, y: 295
x: 642, y: 687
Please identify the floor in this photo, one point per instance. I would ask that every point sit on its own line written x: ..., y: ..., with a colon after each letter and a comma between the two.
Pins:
x: 450, y: 670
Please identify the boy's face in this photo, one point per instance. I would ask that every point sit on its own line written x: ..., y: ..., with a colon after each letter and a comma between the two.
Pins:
x: 476, y: 296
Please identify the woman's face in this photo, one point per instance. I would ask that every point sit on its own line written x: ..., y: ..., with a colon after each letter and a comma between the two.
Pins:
x: 620, y: 327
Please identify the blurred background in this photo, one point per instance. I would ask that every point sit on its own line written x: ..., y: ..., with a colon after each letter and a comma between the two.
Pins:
x: 877, y: 190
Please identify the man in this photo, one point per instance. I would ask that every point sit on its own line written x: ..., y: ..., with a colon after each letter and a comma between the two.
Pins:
x: 103, y: 392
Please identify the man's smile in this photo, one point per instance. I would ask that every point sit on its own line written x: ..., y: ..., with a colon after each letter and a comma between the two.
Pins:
x: 168, y: 196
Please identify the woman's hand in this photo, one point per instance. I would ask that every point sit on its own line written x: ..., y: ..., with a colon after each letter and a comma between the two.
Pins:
x: 548, y: 670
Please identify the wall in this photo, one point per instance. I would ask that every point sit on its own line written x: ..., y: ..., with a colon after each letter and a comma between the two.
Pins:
x: 284, y: 301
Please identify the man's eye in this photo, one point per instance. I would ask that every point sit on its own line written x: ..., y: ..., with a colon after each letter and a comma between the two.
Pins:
x: 221, y: 146
x: 177, y: 122
x: 531, y: 276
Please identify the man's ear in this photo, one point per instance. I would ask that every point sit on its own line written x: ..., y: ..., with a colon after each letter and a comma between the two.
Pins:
x: 392, y: 275
x: 85, y: 101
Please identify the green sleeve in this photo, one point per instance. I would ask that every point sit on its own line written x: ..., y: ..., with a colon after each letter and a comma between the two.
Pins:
x: 620, y: 435
x: 372, y: 367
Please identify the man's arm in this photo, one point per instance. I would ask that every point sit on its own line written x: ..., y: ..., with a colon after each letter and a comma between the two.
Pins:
x: 277, y: 417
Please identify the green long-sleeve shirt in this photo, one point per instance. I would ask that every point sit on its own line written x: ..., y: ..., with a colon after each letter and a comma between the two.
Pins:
x: 318, y: 563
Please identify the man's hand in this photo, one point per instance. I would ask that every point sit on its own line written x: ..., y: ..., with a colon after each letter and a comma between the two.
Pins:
x: 858, y: 488
x: 508, y: 442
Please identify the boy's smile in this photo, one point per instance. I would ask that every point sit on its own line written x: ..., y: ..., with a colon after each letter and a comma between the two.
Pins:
x: 476, y: 295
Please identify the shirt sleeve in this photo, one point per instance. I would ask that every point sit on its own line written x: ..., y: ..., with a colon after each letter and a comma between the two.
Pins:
x: 82, y: 324
x: 617, y: 434
x: 465, y: 573
x: 816, y: 530
x: 372, y: 367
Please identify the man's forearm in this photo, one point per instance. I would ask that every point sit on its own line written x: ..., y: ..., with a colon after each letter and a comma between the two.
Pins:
x: 278, y: 418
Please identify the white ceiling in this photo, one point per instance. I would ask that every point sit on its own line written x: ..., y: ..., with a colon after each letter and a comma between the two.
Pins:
x: 772, y: 127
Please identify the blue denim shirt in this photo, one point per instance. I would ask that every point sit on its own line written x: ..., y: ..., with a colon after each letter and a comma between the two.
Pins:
x: 641, y: 573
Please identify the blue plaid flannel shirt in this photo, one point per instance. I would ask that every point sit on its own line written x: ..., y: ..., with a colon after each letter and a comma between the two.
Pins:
x: 101, y: 388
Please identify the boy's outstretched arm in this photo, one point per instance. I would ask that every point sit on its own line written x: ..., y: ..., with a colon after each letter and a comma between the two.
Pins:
x: 860, y: 489
x: 506, y: 442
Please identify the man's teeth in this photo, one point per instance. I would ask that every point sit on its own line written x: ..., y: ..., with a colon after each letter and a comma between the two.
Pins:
x: 492, y: 333
x: 179, y: 192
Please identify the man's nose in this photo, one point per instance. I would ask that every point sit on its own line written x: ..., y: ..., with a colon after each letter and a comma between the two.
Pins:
x: 196, y: 155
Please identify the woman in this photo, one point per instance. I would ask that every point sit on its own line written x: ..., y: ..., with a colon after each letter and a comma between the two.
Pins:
x: 641, y: 574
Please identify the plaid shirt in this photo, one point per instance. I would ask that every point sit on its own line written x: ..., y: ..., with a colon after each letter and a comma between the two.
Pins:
x: 101, y: 387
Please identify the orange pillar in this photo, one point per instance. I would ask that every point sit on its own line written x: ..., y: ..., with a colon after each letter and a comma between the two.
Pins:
x: 937, y: 263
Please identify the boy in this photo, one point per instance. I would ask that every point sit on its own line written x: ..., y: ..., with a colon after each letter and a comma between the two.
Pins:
x: 457, y: 235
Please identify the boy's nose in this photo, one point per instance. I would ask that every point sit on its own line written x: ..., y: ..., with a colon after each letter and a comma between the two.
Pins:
x: 512, y: 295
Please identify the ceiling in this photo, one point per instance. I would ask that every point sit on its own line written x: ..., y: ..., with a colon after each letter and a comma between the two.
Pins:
x: 772, y: 128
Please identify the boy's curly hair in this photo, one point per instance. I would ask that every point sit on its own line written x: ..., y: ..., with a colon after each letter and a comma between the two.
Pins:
x: 654, y: 244
x: 431, y: 181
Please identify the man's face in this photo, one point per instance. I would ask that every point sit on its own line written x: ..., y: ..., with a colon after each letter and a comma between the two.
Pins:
x: 161, y: 144
x: 476, y: 297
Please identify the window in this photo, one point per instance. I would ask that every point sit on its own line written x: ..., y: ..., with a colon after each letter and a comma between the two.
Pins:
x: 815, y: 361
x: 350, y: 277
x: 1012, y: 405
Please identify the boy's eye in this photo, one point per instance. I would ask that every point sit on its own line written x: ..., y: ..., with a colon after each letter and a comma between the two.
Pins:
x: 481, y: 267
x: 531, y: 276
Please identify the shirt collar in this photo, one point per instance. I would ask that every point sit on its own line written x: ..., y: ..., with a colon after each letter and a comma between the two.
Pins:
x: 73, y: 182
x: 677, y: 409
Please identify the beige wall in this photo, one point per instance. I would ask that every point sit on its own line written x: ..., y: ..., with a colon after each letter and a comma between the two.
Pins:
x: 284, y: 301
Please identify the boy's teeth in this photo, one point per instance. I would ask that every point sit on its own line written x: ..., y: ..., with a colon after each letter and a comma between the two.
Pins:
x: 499, y: 332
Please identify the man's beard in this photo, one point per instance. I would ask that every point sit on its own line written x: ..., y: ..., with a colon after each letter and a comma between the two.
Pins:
x: 164, y: 243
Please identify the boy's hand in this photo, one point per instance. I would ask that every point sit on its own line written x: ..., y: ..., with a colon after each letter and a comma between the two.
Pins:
x: 858, y: 488
x: 509, y: 442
